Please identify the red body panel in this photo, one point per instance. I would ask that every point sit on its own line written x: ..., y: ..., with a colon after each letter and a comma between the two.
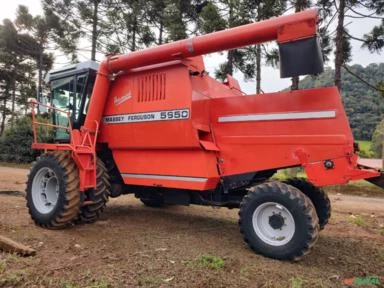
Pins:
x: 226, y: 133
x: 263, y: 144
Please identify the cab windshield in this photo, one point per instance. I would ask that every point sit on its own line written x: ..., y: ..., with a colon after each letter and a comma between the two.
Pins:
x: 70, y: 94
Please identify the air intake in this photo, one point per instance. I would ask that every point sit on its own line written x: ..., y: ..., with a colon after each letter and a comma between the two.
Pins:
x: 151, y: 87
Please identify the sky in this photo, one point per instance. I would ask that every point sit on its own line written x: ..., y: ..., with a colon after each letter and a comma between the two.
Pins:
x: 271, y: 80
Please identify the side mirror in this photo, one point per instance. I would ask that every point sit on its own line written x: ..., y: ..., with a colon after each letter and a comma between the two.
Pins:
x: 300, y: 57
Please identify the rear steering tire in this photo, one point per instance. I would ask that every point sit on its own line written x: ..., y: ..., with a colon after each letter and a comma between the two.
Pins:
x: 278, y: 221
x: 318, y: 197
x: 52, y: 192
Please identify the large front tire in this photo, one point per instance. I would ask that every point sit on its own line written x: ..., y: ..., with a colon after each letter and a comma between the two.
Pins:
x: 278, y: 221
x: 52, y: 193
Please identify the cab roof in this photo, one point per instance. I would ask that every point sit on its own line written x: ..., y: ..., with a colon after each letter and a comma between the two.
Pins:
x: 71, y: 70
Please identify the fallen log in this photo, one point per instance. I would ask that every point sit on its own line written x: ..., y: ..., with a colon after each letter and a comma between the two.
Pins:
x: 10, y: 246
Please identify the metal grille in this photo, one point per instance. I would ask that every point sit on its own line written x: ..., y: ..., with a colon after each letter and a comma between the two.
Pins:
x: 151, y: 87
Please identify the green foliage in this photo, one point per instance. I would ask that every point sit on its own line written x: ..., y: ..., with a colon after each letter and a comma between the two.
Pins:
x: 100, y: 283
x: 363, y: 105
x: 219, y: 15
x: 174, y: 23
x: 210, y: 261
x: 365, y: 149
x: 69, y: 285
x: 149, y: 281
x: 210, y: 19
x: 357, y: 220
x: 15, y: 144
x: 284, y: 174
x: 297, y: 282
x: 16, y: 71
x: 378, y: 139
x: 374, y: 40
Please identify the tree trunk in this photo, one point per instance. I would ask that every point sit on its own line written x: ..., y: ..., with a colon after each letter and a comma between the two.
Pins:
x: 381, y: 137
x: 229, y: 69
x: 299, y: 6
x: 230, y: 52
x: 134, y: 32
x: 258, y: 69
x: 339, y: 44
x: 95, y: 20
x: 295, y: 83
x: 161, y: 30
x: 13, y: 102
x: 4, y: 112
x: 40, y: 75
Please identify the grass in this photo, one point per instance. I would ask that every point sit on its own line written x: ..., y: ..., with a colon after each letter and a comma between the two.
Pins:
x: 149, y: 281
x: 296, y: 282
x: 16, y: 165
x: 358, y: 220
x: 69, y: 285
x: 3, y: 266
x: 210, y: 261
x: 285, y: 174
x: 96, y: 283
x: 13, y: 277
x: 99, y: 283
x: 358, y: 188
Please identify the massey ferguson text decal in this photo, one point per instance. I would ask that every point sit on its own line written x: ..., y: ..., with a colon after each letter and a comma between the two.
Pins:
x: 180, y: 114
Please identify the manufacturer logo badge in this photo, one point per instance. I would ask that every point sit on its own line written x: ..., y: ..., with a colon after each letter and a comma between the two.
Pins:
x: 120, y: 100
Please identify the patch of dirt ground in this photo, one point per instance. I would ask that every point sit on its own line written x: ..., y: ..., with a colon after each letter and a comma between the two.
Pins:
x: 133, y: 246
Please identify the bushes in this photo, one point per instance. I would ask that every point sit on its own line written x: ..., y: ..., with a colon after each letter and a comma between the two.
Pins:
x: 377, y: 140
x: 365, y: 149
x: 15, y: 144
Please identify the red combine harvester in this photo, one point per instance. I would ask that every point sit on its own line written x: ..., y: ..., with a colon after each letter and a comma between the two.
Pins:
x: 154, y: 124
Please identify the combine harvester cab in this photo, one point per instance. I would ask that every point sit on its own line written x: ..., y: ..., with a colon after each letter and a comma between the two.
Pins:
x: 153, y: 123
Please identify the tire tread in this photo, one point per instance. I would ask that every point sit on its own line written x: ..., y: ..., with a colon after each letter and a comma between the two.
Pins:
x: 312, y: 232
x: 72, y: 195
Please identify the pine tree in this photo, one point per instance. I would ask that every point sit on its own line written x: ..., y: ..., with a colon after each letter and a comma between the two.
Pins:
x: 219, y: 15
x: 342, y: 9
x: 39, y: 33
x: 374, y: 40
x: 78, y: 19
x: 16, y: 69
x: 127, y: 26
x: 259, y: 10
x: 299, y: 5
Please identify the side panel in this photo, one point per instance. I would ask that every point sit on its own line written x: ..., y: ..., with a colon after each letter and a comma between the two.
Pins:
x: 222, y: 135
x: 184, y: 169
x: 150, y: 109
x: 280, y: 129
x: 154, y: 128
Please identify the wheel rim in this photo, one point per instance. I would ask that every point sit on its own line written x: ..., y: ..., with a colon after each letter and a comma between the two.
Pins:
x: 273, y: 223
x: 45, y: 190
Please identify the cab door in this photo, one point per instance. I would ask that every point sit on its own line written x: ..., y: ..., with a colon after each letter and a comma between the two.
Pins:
x: 70, y: 94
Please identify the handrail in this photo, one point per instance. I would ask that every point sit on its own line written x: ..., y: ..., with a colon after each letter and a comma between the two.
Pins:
x: 35, y: 123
